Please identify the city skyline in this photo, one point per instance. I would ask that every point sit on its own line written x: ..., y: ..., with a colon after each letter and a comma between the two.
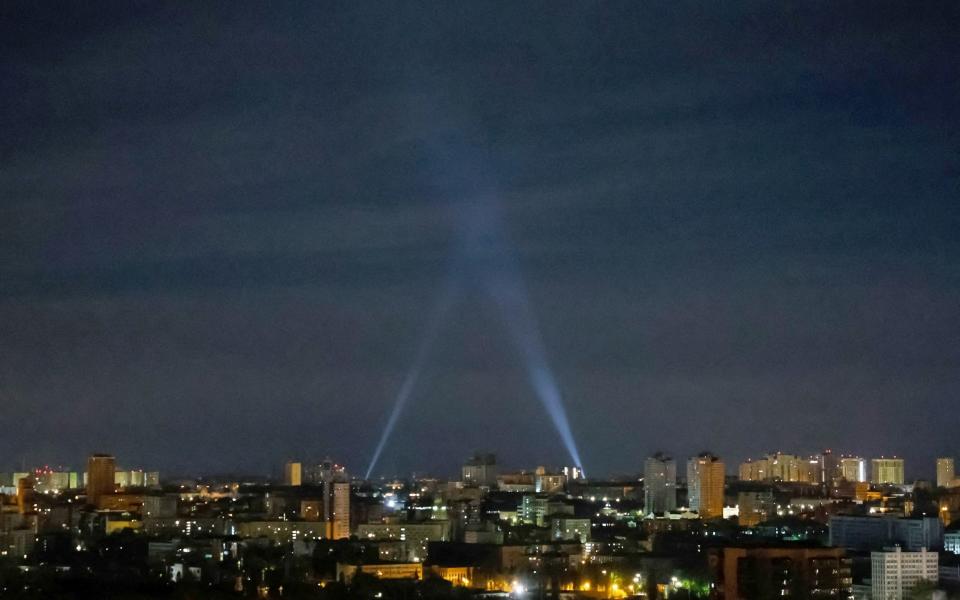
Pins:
x: 303, y: 467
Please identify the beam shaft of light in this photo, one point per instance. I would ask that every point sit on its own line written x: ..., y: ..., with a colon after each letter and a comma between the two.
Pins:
x: 442, y: 307
x: 507, y: 290
x: 485, y: 240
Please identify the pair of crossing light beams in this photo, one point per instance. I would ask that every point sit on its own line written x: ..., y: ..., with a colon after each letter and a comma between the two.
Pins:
x: 502, y: 280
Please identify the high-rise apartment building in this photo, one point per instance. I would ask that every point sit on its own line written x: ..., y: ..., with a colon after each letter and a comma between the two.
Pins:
x: 25, y: 491
x: 101, y: 474
x: 705, y: 480
x: 782, y: 467
x: 886, y: 471
x: 293, y: 473
x: 829, y: 467
x: 480, y: 470
x: 338, y: 519
x: 946, y: 475
x: 659, y: 484
x: 853, y: 468
x: 894, y: 572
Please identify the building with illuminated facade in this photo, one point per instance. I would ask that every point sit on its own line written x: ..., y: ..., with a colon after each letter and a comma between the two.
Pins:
x: 946, y: 474
x: 50, y: 481
x: 136, y: 478
x: 101, y: 477
x: 886, y: 471
x: 548, y: 483
x: 283, y: 532
x: 414, y: 536
x: 853, y: 468
x: 782, y: 467
x: 705, y: 484
x: 292, y: 473
x: 339, y: 510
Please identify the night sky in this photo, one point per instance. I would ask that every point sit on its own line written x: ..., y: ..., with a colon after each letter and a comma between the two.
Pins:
x: 224, y: 230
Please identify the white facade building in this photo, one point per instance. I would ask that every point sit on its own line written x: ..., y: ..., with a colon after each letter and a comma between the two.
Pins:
x: 895, y: 572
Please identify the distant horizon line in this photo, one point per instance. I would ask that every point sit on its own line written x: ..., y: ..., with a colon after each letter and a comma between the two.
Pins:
x: 425, y: 474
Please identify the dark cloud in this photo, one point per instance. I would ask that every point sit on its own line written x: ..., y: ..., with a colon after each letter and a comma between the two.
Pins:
x: 222, y: 228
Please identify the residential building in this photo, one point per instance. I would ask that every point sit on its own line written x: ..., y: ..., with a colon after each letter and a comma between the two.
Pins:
x: 339, y: 515
x: 946, y: 475
x: 782, y: 467
x: 101, y: 476
x: 853, y: 468
x: 886, y: 471
x: 873, y: 533
x: 549, y: 483
x: 755, y: 507
x: 570, y: 528
x: 894, y: 572
x: 293, y: 473
x: 951, y: 542
x: 705, y: 485
x: 480, y: 470
x: 752, y: 573
x: 659, y: 484
x: 533, y: 510
x: 414, y: 536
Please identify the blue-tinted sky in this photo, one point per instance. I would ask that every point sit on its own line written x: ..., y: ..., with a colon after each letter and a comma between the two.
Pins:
x: 223, y: 228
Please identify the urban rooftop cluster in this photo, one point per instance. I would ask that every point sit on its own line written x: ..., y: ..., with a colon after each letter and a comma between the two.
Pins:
x: 824, y: 526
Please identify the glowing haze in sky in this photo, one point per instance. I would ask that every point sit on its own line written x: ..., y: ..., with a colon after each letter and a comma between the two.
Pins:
x: 439, y: 312
x: 483, y: 252
x: 246, y: 215
x: 503, y: 281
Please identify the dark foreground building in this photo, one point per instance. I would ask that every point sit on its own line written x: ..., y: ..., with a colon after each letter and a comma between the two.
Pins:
x: 759, y: 573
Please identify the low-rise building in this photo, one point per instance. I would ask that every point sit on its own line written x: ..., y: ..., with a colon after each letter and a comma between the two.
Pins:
x: 951, y: 542
x: 282, y: 531
x: 413, y: 536
x: 570, y: 528
x: 410, y: 570
x: 873, y: 533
